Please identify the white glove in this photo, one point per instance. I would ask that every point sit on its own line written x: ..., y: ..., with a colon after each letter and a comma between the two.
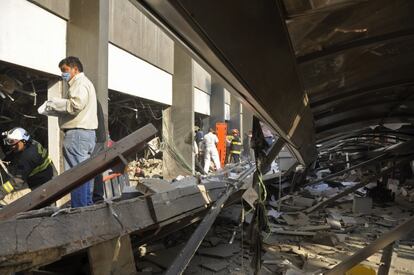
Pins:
x: 53, y: 107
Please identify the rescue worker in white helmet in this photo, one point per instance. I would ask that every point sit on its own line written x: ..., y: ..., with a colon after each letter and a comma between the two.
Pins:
x: 27, y: 162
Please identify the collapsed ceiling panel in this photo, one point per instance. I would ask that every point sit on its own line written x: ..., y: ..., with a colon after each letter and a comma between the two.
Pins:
x: 356, y: 59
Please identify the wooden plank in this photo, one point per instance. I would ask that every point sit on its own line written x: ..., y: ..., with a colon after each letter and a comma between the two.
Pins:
x: 112, y: 257
x: 69, y: 180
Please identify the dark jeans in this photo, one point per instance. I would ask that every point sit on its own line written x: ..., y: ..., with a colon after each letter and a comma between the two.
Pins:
x: 234, y: 158
x: 78, y: 145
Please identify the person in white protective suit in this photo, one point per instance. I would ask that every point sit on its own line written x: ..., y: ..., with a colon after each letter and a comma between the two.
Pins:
x: 210, y: 141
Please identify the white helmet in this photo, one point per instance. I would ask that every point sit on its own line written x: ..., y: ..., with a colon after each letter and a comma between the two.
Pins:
x: 15, y: 135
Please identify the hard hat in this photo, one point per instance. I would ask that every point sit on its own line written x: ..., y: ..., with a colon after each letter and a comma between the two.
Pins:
x: 15, y: 135
x: 235, y: 131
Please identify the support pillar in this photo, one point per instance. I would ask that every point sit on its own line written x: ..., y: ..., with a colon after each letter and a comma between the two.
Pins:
x: 112, y: 257
x: 246, y: 126
x: 55, y: 137
x: 247, y: 120
x: 217, y: 102
x: 87, y: 38
x: 178, y: 120
x: 54, y: 134
x: 235, y: 115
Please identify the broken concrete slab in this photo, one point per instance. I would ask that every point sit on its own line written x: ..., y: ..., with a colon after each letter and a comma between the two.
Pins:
x: 316, y: 227
x: 296, y: 218
x: 154, y: 186
x: 292, y: 232
x: 315, y: 265
x: 362, y: 205
x: 334, y: 213
x: 248, y: 218
x: 341, y: 237
x: 129, y: 192
x: 164, y: 258
x: 250, y: 196
x: 335, y: 224
x: 215, y: 265
x: 185, y: 182
x: 349, y: 220
x: 220, y: 251
x: 302, y: 201
x: 326, y: 238
x: 231, y: 213
x: 214, y: 241
x: 146, y: 266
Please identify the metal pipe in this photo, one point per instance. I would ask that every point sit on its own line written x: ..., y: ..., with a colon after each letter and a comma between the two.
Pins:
x: 362, y: 164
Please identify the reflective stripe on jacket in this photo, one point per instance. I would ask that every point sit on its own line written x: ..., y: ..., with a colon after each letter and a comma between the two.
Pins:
x: 235, y: 146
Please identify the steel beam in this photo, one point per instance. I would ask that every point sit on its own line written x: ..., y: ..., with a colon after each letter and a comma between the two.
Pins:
x: 344, y: 127
x: 272, y: 154
x: 329, y: 100
x: 359, y: 165
x: 383, y: 241
x: 355, y: 44
x: 186, y: 254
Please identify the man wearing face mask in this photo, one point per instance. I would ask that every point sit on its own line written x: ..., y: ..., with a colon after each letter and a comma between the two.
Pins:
x: 77, y: 112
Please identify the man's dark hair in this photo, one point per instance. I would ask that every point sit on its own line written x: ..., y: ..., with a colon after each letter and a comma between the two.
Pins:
x: 71, y: 61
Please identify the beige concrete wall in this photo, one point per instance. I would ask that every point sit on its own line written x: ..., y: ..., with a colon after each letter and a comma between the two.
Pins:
x: 132, y: 31
x: 58, y: 7
x: 202, y: 79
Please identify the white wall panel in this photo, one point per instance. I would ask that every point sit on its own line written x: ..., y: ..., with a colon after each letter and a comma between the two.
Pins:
x: 227, y: 97
x: 31, y: 36
x: 227, y: 115
x: 201, y: 102
x: 202, y: 79
x: 131, y: 75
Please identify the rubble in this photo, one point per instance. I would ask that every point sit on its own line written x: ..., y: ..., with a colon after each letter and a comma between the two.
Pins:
x: 362, y: 205
x: 317, y: 241
x: 145, y: 168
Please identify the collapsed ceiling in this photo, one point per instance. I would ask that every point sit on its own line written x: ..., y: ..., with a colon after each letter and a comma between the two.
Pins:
x: 22, y: 91
x: 355, y: 59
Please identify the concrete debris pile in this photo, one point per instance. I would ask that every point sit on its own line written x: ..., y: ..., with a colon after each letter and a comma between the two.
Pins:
x: 221, y: 252
x: 145, y: 168
x: 306, y: 241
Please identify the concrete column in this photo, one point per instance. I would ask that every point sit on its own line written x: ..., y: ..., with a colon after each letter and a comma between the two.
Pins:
x: 87, y: 38
x: 55, y: 137
x: 235, y: 114
x: 54, y: 133
x: 246, y: 126
x: 178, y: 120
x: 217, y: 101
x: 247, y: 120
x: 112, y: 257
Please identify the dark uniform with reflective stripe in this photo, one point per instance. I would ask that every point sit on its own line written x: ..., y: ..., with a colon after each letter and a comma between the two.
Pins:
x: 235, y: 149
x: 32, y: 165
